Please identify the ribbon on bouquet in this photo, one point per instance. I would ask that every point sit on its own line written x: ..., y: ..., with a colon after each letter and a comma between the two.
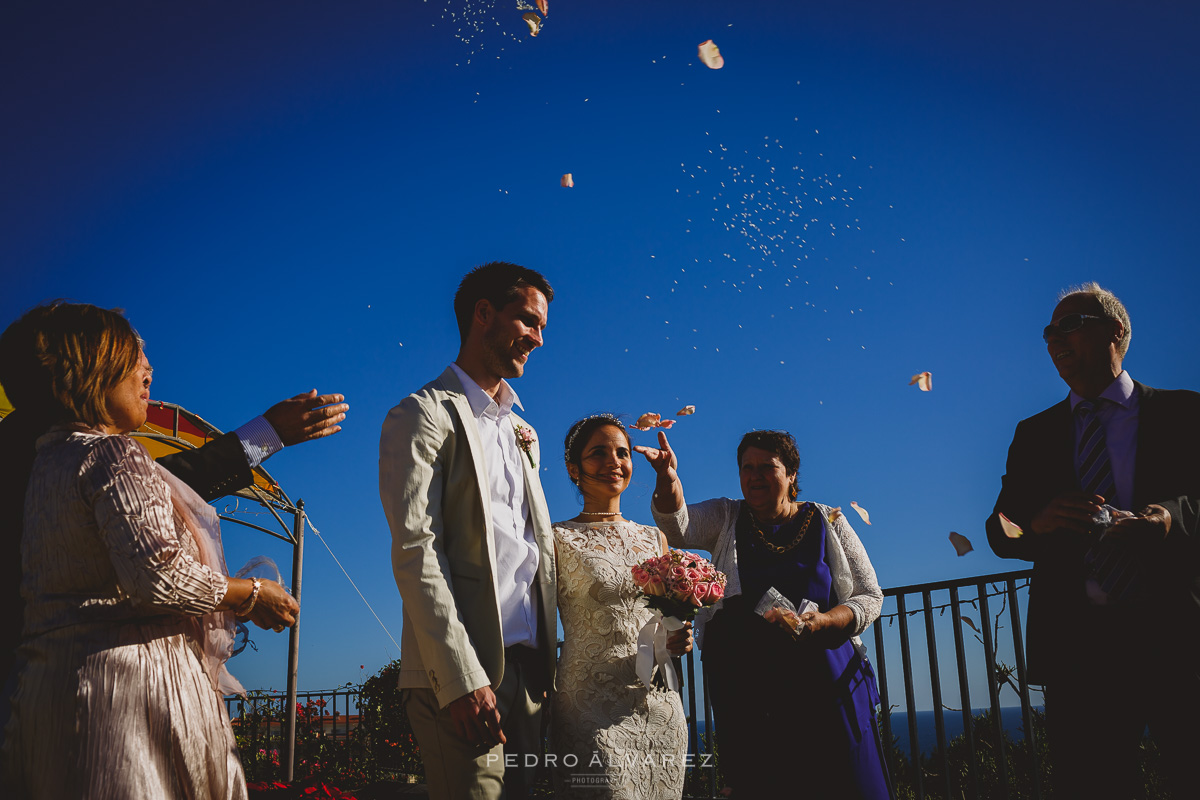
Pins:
x: 652, y: 651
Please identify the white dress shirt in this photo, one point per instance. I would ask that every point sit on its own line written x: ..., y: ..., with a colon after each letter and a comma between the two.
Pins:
x: 512, y: 527
x: 259, y: 440
x: 1119, y: 417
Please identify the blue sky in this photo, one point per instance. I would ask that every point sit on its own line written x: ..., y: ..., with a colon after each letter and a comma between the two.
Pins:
x: 285, y: 195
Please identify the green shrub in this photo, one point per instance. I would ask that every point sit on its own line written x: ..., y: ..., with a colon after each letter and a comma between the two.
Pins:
x: 1022, y: 767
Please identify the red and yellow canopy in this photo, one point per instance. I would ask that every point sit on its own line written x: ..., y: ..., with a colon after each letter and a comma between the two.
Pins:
x: 171, y: 429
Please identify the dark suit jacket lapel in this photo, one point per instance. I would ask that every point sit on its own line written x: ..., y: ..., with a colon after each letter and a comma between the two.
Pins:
x: 1060, y: 448
x: 1152, y: 436
x: 1058, y: 475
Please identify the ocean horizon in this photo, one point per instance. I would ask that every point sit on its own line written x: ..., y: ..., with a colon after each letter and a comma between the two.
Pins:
x: 1010, y: 717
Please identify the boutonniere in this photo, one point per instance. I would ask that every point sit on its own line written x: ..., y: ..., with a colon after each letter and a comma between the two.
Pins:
x: 525, y: 441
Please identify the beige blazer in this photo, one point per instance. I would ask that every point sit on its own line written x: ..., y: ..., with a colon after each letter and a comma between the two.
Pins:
x: 434, y: 492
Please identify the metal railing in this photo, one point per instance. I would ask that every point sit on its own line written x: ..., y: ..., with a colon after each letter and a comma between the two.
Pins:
x: 956, y: 672
x: 1001, y: 664
x: 959, y: 670
x: 261, y: 725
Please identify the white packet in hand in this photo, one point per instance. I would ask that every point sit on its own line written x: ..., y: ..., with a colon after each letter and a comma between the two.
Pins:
x: 1107, y: 517
x: 774, y: 607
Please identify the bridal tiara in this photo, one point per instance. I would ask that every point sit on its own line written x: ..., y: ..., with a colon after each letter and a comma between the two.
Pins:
x: 579, y: 426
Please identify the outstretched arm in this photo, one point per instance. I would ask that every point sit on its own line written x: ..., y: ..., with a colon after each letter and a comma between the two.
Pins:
x: 307, y: 416
x: 698, y: 525
x: 668, y: 489
x: 224, y: 465
x: 214, y: 470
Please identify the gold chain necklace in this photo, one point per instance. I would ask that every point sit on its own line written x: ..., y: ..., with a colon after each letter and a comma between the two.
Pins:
x: 799, y: 536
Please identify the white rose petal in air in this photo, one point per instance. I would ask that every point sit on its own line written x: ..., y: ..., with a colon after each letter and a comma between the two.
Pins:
x: 1011, y: 529
x: 923, y: 380
x: 862, y: 512
x: 685, y: 411
x: 647, y: 421
x: 710, y: 55
x: 567, y: 182
x: 651, y: 420
x: 544, y: 7
x: 962, y: 545
x: 533, y: 21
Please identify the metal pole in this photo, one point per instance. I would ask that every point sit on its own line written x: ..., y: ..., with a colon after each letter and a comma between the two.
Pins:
x: 294, y: 642
x: 1026, y: 712
x: 884, y: 704
x: 710, y: 747
x: 693, y: 731
x: 989, y: 655
x: 910, y: 704
x: 964, y: 690
x: 935, y: 681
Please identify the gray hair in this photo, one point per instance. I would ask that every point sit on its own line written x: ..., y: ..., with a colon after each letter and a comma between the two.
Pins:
x: 1110, y: 303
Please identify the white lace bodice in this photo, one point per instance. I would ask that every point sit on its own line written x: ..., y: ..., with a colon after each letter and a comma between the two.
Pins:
x: 600, y: 607
x: 601, y: 709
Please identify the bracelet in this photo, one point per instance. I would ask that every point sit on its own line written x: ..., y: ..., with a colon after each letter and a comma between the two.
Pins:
x: 248, y: 606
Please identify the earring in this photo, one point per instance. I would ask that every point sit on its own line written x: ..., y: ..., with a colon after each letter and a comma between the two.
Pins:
x: 793, y: 491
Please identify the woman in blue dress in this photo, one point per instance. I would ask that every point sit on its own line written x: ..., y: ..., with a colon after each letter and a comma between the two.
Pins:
x: 795, y: 712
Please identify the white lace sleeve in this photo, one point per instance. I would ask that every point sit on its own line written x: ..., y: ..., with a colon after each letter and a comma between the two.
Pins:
x: 865, y: 598
x: 698, y: 525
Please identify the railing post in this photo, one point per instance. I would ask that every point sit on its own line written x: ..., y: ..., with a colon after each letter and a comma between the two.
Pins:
x: 935, y: 683
x: 989, y: 653
x: 710, y: 723
x: 1026, y: 711
x: 885, y: 706
x: 294, y: 642
x: 910, y: 703
x: 964, y: 691
x: 693, y: 730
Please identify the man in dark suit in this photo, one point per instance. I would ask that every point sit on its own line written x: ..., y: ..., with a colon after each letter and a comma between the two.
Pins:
x: 1113, y: 623
x: 220, y: 467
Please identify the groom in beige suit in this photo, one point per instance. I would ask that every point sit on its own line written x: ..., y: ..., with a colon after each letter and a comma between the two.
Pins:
x: 472, y: 550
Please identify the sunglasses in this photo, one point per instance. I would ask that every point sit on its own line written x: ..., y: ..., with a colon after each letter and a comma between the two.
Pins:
x: 1068, y: 324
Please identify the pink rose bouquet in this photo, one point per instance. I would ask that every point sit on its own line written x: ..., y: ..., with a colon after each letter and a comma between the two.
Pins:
x: 679, y: 583
x: 676, y: 585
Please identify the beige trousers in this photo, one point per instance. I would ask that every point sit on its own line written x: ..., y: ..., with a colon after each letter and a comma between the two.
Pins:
x: 454, y: 769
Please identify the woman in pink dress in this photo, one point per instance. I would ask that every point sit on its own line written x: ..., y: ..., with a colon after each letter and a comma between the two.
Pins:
x: 129, y: 610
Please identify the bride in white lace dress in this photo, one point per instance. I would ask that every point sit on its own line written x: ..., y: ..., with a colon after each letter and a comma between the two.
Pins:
x: 611, y: 736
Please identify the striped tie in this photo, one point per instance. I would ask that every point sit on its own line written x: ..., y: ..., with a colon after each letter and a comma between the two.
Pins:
x: 1110, y: 575
x: 1095, y: 470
